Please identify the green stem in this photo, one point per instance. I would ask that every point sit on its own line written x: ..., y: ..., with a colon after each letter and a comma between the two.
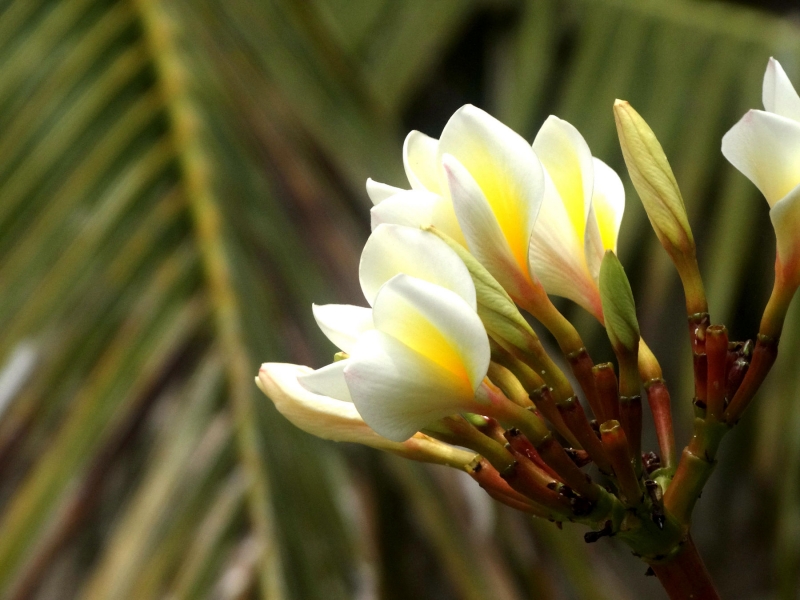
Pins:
x: 695, y: 467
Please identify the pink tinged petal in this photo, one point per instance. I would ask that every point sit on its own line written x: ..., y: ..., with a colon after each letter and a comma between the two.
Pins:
x: 342, y: 324
x: 779, y: 95
x: 567, y: 159
x: 484, y: 236
x: 420, y: 162
x: 437, y: 323
x: 394, y: 249
x: 766, y: 148
x: 785, y: 217
x: 418, y: 209
x: 328, y: 381
x: 378, y: 192
x: 557, y: 255
x: 399, y: 391
x: 504, y: 167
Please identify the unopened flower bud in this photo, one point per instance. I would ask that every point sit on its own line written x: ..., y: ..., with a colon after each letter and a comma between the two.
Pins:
x: 654, y: 181
x: 618, y: 306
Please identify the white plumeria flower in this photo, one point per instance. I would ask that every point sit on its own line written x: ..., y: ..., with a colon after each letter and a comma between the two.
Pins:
x: 390, y: 251
x: 494, y: 183
x: 425, y: 359
x: 765, y: 146
x: 580, y: 216
x: 339, y: 421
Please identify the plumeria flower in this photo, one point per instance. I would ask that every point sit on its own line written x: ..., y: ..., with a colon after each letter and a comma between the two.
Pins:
x: 484, y: 185
x: 420, y: 353
x: 390, y: 250
x: 580, y: 217
x: 425, y: 359
x: 339, y: 421
x: 765, y: 146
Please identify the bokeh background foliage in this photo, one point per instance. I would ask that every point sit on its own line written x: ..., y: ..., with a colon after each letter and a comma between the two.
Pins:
x: 180, y: 179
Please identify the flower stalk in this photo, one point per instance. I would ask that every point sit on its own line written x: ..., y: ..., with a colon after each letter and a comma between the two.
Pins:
x: 685, y: 576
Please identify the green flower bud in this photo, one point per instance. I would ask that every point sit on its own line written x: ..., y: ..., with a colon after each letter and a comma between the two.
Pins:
x: 618, y: 305
x: 654, y: 181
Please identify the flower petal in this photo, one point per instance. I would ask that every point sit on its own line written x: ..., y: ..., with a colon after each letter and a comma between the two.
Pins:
x: 393, y: 249
x: 785, y: 217
x: 504, y: 167
x: 557, y: 256
x: 342, y: 324
x: 399, y: 391
x: 420, y: 162
x: 378, y: 192
x: 484, y: 236
x: 608, y: 206
x: 316, y: 414
x: 339, y: 421
x: 418, y: 209
x: 608, y: 200
x: 327, y: 381
x: 567, y: 159
x: 437, y: 323
x: 779, y: 95
x: 765, y: 147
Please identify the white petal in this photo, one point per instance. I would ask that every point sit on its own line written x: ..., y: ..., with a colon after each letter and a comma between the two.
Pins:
x: 484, y: 236
x: 567, y: 159
x: 419, y: 160
x: 317, y: 414
x: 399, y: 391
x: 327, y: 381
x: 438, y: 324
x: 418, y: 209
x: 779, y: 95
x: 339, y: 421
x: 557, y: 256
x: 504, y: 167
x: 608, y: 199
x: 785, y: 216
x: 394, y: 249
x: 342, y: 323
x: 766, y: 148
x: 378, y: 192
x: 608, y: 206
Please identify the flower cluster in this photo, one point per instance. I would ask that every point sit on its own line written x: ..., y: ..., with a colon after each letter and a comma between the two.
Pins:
x: 442, y: 359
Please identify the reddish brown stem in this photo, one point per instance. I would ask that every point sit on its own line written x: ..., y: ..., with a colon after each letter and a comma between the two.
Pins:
x: 524, y: 479
x: 631, y: 420
x: 543, y: 400
x: 659, y: 400
x: 497, y: 487
x: 608, y: 389
x: 697, y: 332
x: 575, y: 418
x: 518, y: 443
x: 764, y: 355
x: 717, y: 357
x: 552, y: 452
x: 685, y: 576
x: 619, y: 452
x: 581, y: 364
